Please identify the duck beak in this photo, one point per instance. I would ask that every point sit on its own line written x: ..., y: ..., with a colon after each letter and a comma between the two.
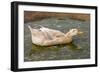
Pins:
x: 80, y: 32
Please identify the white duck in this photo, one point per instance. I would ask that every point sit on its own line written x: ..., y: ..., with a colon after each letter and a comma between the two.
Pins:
x: 46, y: 37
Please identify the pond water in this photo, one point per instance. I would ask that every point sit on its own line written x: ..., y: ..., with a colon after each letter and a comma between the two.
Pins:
x: 78, y: 49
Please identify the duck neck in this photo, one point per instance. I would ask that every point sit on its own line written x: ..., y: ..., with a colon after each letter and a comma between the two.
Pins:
x: 68, y: 35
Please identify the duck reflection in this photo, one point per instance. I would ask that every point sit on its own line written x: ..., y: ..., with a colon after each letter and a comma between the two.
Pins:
x: 56, y: 48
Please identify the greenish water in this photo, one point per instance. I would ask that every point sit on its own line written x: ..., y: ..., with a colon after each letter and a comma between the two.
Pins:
x: 78, y: 49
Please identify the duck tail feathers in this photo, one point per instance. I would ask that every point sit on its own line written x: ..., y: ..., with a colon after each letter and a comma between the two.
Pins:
x: 30, y: 28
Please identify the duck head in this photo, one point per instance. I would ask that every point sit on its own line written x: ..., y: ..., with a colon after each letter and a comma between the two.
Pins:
x: 73, y: 32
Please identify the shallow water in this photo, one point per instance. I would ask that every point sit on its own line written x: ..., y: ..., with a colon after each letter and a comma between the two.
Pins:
x: 78, y: 49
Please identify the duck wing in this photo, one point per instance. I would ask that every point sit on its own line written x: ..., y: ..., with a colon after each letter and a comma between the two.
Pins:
x: 52, y: 33
x: 46, y: 33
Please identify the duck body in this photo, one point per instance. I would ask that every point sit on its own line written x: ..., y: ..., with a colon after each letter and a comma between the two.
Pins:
x: 47, y: 37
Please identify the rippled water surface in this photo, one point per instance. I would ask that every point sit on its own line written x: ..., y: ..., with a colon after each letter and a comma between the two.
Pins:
x: 78, y: 49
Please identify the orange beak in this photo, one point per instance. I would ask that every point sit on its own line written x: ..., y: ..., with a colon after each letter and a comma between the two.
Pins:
x: 80, y: 32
